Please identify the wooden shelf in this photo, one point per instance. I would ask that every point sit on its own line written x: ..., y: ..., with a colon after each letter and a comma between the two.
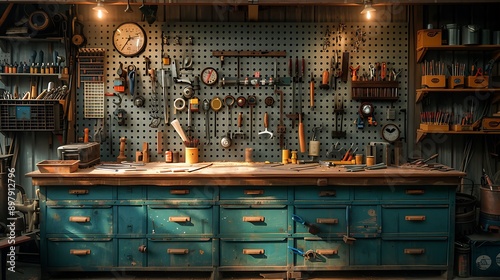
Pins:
x: 422, y: 92
x: 423, y: 50
x: 422, y: 133
x: 374, y: 90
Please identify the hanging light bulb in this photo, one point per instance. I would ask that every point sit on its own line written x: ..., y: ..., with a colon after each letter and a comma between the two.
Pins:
x: 368, y: 9
x: 100, y: 9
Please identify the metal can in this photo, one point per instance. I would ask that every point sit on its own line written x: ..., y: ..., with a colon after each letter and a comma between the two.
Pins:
x: 168, y: 156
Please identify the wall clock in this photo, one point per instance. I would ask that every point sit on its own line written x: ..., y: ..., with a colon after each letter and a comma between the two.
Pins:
x: 391, y: 132
x: 129, y: 39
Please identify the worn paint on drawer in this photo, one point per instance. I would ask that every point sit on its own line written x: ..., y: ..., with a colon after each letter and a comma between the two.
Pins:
x: 329, y: 193
x: 253, y: 220
x: 321, y: 253
x: 80, y: 192
x: 253, y: 252
x: 415, y: 219
x: 414, y: 252
x: 131, y: 192
x: 81, y: 255
x: 254, y: 192
x: 163, y: 253
x: 329, y: 221
x: 414, y: 193
x: 364, y: 221
x: 365, y: 251
x: 132, y: 252
x: 131, y: 219
x: 80, y: 220
x: 181, y: 193
x: 180, y: 221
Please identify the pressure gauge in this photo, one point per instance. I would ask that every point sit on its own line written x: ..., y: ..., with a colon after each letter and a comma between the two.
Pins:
x: 391, y: 132
x: 209, y: 76
x: 129, y: 39
x: 366, y: 109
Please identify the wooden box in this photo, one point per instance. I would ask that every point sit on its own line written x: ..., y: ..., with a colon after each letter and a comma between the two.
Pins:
x: 434, y: 81
x: 429, y: 38
x: 477, y: 81
x: 58, y: 166
x: 491, y: 123
x: 456, y: 82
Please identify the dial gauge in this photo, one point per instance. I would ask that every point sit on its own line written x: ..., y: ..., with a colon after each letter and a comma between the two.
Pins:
x: 391, y: 132
x: 366, y: 109
x: 209, y: 76
x: 129, y: 39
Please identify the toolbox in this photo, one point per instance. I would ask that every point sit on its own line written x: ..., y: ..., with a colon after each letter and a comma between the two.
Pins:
x: 491, y: 123
x: 89, y: 154
x: 485, y: 254
x: 429, y: 38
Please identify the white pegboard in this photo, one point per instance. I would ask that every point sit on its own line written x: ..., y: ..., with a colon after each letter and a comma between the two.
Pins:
x: 383, y: 43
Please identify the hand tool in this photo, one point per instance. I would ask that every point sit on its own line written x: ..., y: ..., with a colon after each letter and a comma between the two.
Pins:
x: 345, y: 66
x: 354, y: 73
x: 312, y: 229
x: 325, y: 80
x: 311, y: 93
x: 206, y: 108
x: 121, y: 157
x: 165, y: 97
x: 225, y: 142
x: 177, y: 126
x: 215, y: 105
x: 240, y: 123
x: 252, y: 101
x: 155, y: 106
x: 281, y: 126
x: 302, y: 140
x: 294, y: 73
x: 129, y: 8
x: 266, y: 124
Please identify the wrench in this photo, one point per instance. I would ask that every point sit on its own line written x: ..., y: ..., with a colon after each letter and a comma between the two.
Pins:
x: 206, y: 108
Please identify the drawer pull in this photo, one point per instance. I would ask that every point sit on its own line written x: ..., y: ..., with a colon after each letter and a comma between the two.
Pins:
x: 414, y: 251
x: 415, y: 218
x: 414, y: 192
x: 327, y: 251
x: 254, y: 219
x: 78, y: 192
x: 177, y: 251
x: 79, y: 219
x: 327, y: 221
x: 179, y: 219
x: 328, y: 193
x: 253, y: 251
x: 179, y: 192
x: 254, y: 192
x: 79, y: 252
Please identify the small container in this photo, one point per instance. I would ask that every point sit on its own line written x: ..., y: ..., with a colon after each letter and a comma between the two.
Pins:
x: 359, y: 159
x: 285, y: 156
x: 175, y: 157
x: 453, y: 34
x: 470, y: 34
x: 485, y: 37
x: 370, y: 160
x: 191, y: 155
x: 496, y: 38
x: 169, y: 156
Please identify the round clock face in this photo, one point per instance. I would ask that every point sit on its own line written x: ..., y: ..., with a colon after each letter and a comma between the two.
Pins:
x: 390, y: 132
x: 366, y: 109
x: 209, y: 76
x: 129, y: 39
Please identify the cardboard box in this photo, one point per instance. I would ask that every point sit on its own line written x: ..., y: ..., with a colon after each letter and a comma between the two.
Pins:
x: 456, y: 82
x: 485, y: 254
x: 429, y: 38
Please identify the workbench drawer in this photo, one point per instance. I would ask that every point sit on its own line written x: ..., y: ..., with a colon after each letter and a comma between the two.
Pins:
x: 415, y: 193
x: 180, y: 221
x: 132, y: 252
x: 80, y: 254
x: 95, y: 220
x: 364, y: 220
x: 131, y: 192
x: 415, y: 219
x: 181, y: 193
x: 324, y: 221
x: 414, y: 252
x: 241, y: 252
x: 240, y: 219
x: 254, y: 192
x: 131, y: 219
x: 320, y: 253
x: 80, y: 193
x: 329, y: 193
x: 177, y: 253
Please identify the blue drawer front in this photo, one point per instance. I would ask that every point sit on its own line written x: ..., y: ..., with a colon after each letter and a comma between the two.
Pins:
x: 180, y: 253
x: 131, y: 192
x: 368, y: 193
x: 253, y: 220
x: 326, y: 253
x: 410, y: 252
x: 329, y: 193
x: 253, y: 192
x: 365, y: 220
x: 181, y: 193
x: 79, y: 192
x: 415, y: 220
x: 132, y: 252
x: 365, y: 252
x: 253, y: 253
x: 80, y: 255
x: 329, y: 221
x: 80, y: 220
x: 131, y: 219
x: 180, y: 221
x: 415, y: 193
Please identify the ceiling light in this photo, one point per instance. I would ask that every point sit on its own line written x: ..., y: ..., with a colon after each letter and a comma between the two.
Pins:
x: 368, y: 10
x: 100, y: 9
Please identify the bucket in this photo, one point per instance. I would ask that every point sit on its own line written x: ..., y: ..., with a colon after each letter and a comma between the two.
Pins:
x: 485, y: 37
x: 470, y: 34
x: 490, y: 200
x: 453, y: 34
x: 462, y: 259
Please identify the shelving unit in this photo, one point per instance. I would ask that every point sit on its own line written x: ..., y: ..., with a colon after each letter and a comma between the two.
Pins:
x: 421, y: 93
x: 421, y: 52
x: 375, y: 90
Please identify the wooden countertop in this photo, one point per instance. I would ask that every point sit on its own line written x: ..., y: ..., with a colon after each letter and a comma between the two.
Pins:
x: 241, y: 173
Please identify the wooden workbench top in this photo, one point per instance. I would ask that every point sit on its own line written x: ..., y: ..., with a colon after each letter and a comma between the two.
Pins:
x: 240, y: 173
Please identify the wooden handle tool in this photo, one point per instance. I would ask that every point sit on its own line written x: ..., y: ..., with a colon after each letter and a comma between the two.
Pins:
x: 302, y: 139
x: 311, y: 93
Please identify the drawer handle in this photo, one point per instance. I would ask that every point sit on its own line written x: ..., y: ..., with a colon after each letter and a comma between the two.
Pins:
x: 179, y: 192
x: 177, y: 251
x: 254, y: 219
x: 253, y: 251
x: 78, y: 192
x: 415, y: 218
x: 328, y: 193
x: 79, y: 219
x: 327, y: 251
x: 414, y: 192
x: 253, y: 192
x: 414, y: 251
x: 327, y: 221
x: 179, y: 219
x: 79, y: 252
